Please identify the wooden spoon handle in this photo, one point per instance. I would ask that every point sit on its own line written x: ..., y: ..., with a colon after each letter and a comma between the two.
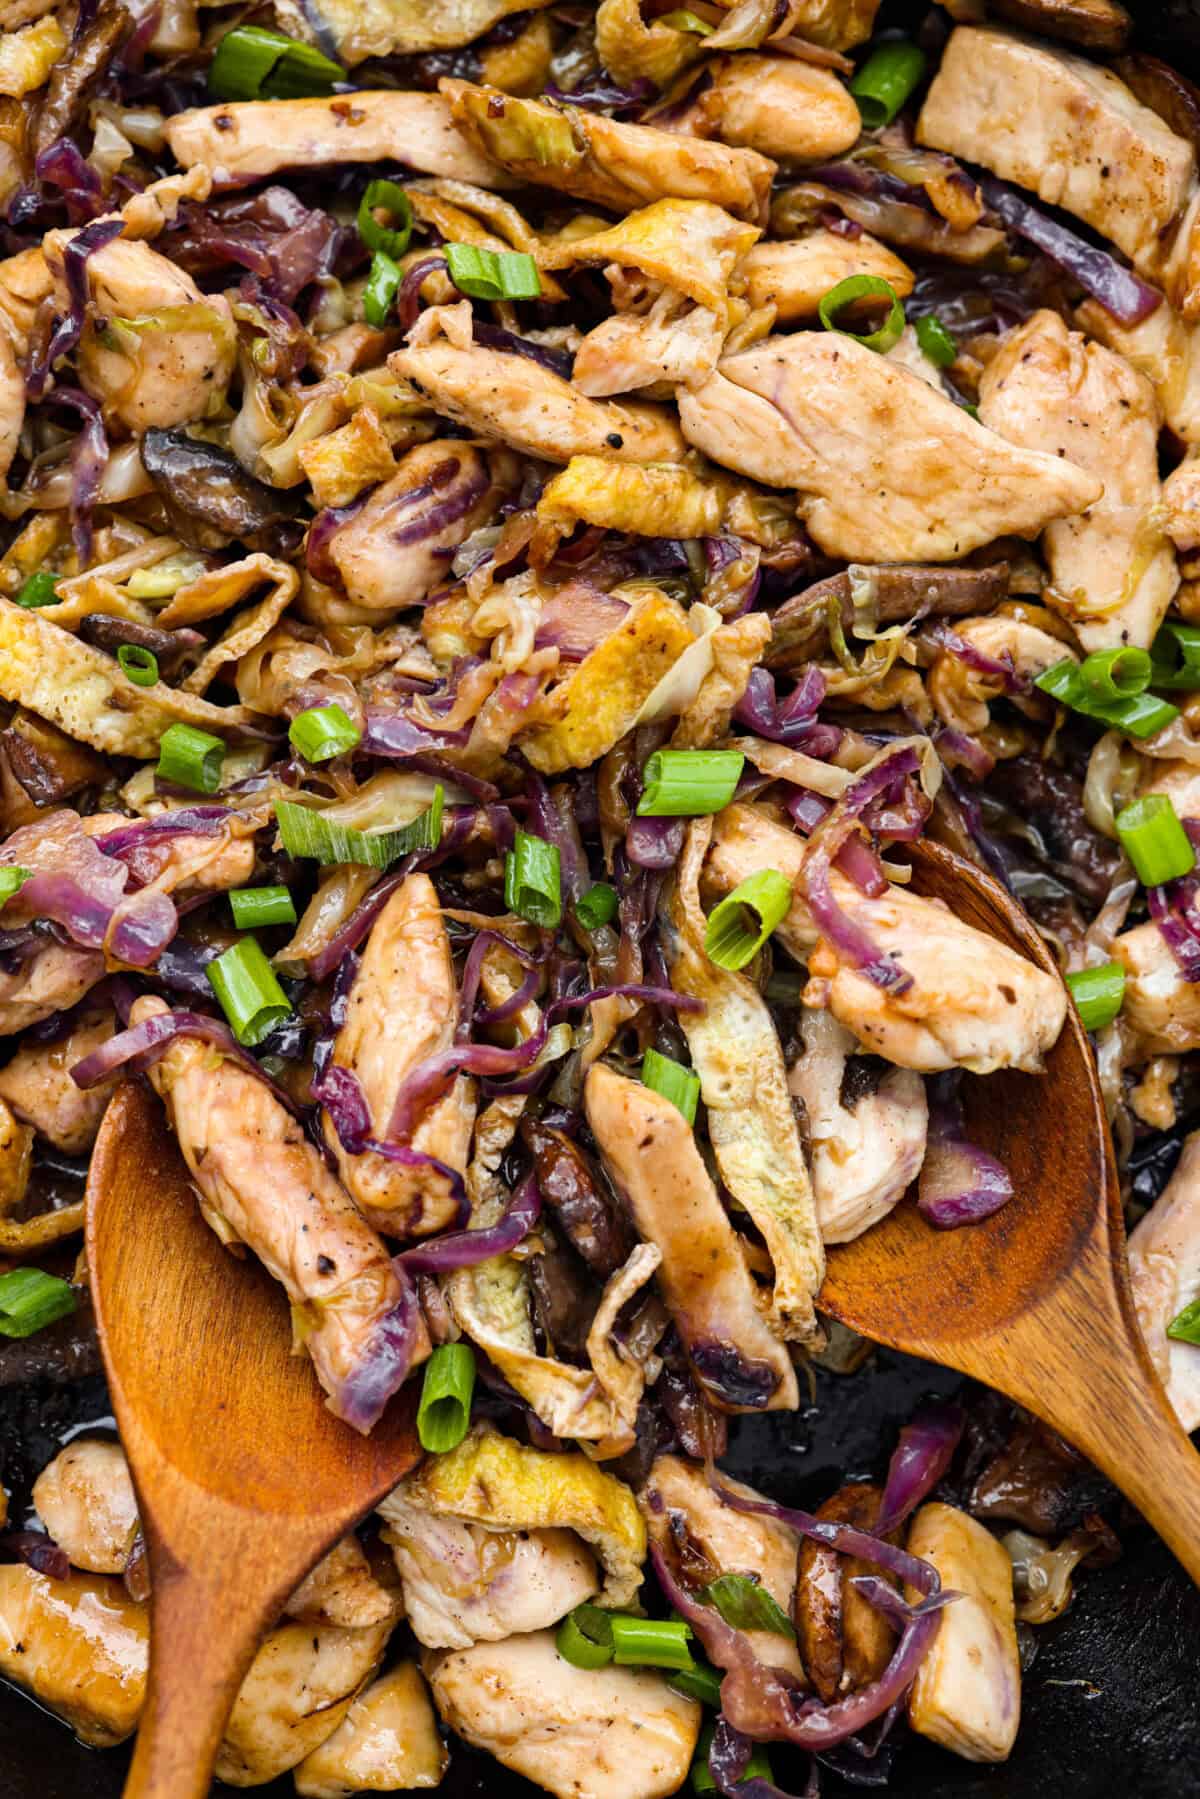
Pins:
x: 203, y: 1639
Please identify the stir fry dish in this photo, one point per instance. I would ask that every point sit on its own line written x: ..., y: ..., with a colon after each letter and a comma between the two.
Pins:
x: 515, y: 523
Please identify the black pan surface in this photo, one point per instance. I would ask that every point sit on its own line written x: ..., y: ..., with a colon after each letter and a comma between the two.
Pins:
x: 1111, y: 1704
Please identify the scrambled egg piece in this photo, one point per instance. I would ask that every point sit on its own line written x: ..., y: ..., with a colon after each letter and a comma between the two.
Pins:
x: 690, y: 245
x: 652, y: 499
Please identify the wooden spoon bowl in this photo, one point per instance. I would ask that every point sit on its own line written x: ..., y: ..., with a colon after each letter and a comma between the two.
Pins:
x: 1035, y: 1300
x: 244, y: 1479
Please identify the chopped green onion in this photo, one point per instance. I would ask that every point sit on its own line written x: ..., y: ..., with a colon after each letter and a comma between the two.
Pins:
x: 533, y: 881
x: 597, y: 906
x: 682, y: 20
x: 740, y: 924
x: 757, y: 1768
x: 444, y: 1414
x: 255, y: 907
x: 746, y: 1605
x: 12, y: 879
x: 484, y: 274
x: 886, y: 80
x: 190, y: 758
x: 864, y: 287
x: 936, y: 341
x: 30, y: 1299
x: 1175, y: 655
x: 1185, y: 1326
x: 249, y: 991
x: 673, y: 1081
x: 379, y: 295
x: 140, y: 665
x: 650, y: 1642
x: 1116, y: 674
x: 585, y: 1638
x: 252, y: 63
x: 701, y: 1682
x: 39, y: 590
x: 1139, y: 715
x: 391, y: 196
x: 1155, y: 841
x: 1098, y: 993
x: 322, y: 733
x: 689, y: 783
x: 305, y: 832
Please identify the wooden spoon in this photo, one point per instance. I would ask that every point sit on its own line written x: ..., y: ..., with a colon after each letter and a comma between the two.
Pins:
x: 244, y: 1479
x: 1035, y: 1300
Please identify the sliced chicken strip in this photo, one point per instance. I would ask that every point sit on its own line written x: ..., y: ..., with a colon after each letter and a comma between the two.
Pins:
x: 403, y: 1008
x: 12, y: 402
x: 85, y: 1499
x: 794, y: 277
x: 967, y: 1694
x: 652, y: 1156
x: 787, y: 110
x: 867, y: 1126
x: 387, y: 1742
x: 53, y: 980
x: 79, y: 1645
x: 677, y: 1492
x: 464, y: 1584
x: 1165, y: 350
x: 597, y: 158
x: 601, y: 1733
x: 242, y: 142
x: 342, y: 1590
x: 628, y: 351
x: 301, y: 1684
x: 520, y: 403
x: 158, y: 352
x: 973, y: 1003
x: 1063, y: 126
x: 1113, y: 574
x: 887, y: 469
x: 37, y: 1085
x: 386, y: 553
x: 1181, y: 497
x: 262, y: 1183
x: 1160, y: 1007
x: 1164, y: 1270
x: 962, y: 694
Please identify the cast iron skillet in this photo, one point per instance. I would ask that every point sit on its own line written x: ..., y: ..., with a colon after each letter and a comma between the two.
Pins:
x: 1111, y: 1704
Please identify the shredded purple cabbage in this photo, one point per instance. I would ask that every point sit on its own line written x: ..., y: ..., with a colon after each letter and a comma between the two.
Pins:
x: 959, y: 1183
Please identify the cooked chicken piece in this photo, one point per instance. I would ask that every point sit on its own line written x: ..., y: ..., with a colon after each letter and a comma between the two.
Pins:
x: 523, y: 404
x: 387, y: 1741
x: 12, y: 402
x: 1063, y: 126
x: 1177, y: 781
x: 596, y: 158
x: 300, y: 1687
x: 1160, y: 1007
x: 402, y: 1009
x: 887, y: 470
x: 1181, y: 497
x: 53, y: 980
x: 79, y: 1645
x: 603, y: 1733
x: 1164, y: 1271
x: 37, y: 1085
x: 973, y: 1003
x: 252, y: 138
x: 1112, y: 573
x: 787, y: 110
x: 967, y: 1694
x: 677, y: 1493
x: 465, y: 1584
x: 796, y: 276
x: 835, y: 24
x: 85, y: 1499
x: 262, y: 1183
x: 386, y: 553
x: 866, y: 1128
x: 158, y: 352
x: 652, y: 1156
x: 342, y: 1590
x: 631, y: 350
x: 1165, y: 350
x: 962, y: 695
x: 191, y: 861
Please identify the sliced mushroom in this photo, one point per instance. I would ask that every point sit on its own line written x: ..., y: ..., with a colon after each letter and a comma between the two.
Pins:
x: 800, y: 628
x: 1096, y: 24
x: 210, y: 497
x: 845, y: 1642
